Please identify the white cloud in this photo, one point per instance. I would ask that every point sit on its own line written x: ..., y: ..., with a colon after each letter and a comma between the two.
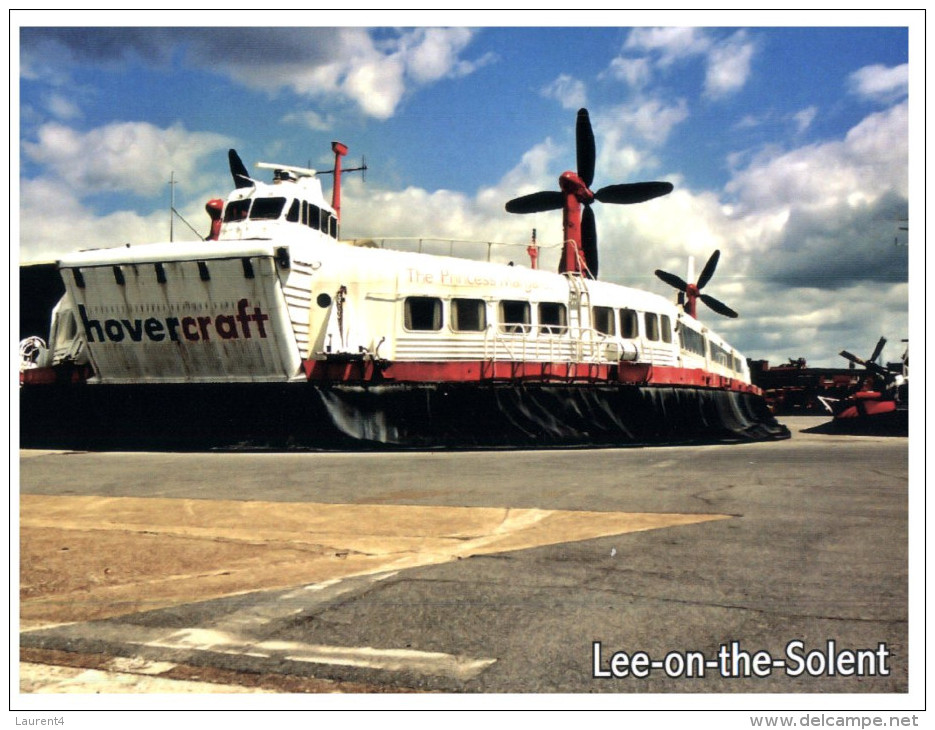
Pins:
x: 373, y: 70
x: 569, y: 91
x: 728, y: 61
x: 871, y: 160
x: 62, y: 107
x: 803, y: 119
x: 635, y: 72
x: 670, y: 44
x: 134, y: 157
x: 311, y: 119
x: 647, y: 120
x: 54, y: 222
x: 880, y: 83
x: 729, y: 65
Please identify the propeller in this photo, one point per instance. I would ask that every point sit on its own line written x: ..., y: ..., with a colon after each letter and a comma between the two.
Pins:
x: 580, y: 228
x: 871, y: 362
x: 239, y: 170
x: 689, y: 293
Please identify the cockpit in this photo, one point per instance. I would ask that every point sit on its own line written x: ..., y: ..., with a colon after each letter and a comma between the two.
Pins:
x: 288, y: 210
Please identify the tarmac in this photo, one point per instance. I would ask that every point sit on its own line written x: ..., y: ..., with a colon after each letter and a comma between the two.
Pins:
x: 773, y: 568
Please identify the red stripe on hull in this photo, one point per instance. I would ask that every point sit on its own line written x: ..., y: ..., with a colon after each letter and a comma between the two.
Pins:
x: 359, y: 370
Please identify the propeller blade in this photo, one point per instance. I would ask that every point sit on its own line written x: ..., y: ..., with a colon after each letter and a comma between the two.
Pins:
x: 717, y: 306
x: 629, y: 193
x: 877, y: 350
x: 708, y: 270
x: 672, y: 280
x: 536, y: 202
x: 238, y: 170
x: 851, y: 357
x: 584, y: 143
x: 589, y: 241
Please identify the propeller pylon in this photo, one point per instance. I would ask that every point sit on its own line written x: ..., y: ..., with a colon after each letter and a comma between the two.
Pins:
x: 574, y: 199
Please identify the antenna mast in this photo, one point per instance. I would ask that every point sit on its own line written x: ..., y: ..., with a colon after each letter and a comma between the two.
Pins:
x: 172, y: 207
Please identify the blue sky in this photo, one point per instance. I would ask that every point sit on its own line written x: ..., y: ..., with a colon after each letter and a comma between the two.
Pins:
x: 788, y: 146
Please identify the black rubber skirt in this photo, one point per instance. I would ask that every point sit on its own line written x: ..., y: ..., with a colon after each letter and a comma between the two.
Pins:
x: 394, y: 416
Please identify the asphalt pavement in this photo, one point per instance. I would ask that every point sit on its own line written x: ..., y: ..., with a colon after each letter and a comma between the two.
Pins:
x: 775, y: 568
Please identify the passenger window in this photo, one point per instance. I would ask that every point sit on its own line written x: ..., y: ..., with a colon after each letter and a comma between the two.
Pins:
x: 604, y: 320
x: 552, y: 319
x: 423, y: 313
x: 514, y: 316
x: 629, y: 324
x: 468, y: 315
x: 652, y: 326
x: 666, y: 327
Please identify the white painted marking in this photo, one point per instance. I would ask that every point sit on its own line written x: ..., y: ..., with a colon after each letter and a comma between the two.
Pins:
x: 395, y: 660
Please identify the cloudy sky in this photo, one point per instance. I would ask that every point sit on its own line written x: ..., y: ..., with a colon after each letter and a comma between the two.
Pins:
x: 789, y: 147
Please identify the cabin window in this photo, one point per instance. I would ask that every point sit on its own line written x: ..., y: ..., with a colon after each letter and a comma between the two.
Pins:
x: 629, y: 324
x: 468, y: 315
x: 604, y: 320
x: 293, y: 215
x: 267, y: 209
x: 423, y: 313
x: 652, y: 326
x: 692, y: 341
x: 665, y: 325
x: 514, y: 316
x: 721, y: 356
x: 236, y: 211
x: 552, y: 318
x: 333, y: 227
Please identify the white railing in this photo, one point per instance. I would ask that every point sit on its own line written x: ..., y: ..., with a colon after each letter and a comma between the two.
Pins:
x: 439, y: 245
x: 549, y: 343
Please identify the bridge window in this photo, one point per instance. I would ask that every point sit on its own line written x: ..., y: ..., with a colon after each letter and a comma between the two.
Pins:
x: 314, y: 217
x: 423, y: 313
x: 604, y: 320
x: 237, y: 211
x: 468, y: 315
x: 267, y: 209
x: 665, y: 325
x: 514, y: 316
x: 629, y: 324
x: 293, y: 215
x: 652, y: 326
x: 332, y: 226
x: 552, y: 319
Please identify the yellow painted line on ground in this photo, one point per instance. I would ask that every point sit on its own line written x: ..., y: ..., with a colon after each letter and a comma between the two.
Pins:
x: 85, y: 558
